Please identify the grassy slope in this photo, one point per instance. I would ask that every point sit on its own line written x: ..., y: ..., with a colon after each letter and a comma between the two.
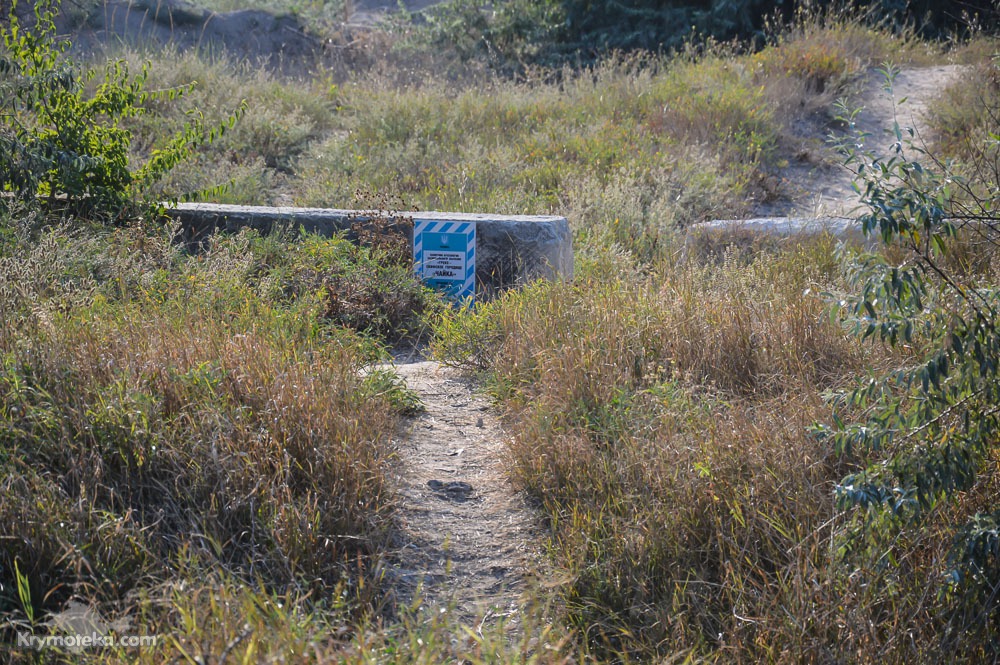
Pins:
x: 187, y: 440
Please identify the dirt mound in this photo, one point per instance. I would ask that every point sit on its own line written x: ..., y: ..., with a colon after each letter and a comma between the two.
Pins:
x: 253, y: 35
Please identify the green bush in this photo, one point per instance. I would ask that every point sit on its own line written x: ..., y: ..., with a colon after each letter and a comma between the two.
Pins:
x: 66, y: 142
x: 929, y: 429
x: 512, y: 33
x: 359, y: 287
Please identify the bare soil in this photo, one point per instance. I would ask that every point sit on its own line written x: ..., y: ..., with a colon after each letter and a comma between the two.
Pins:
x: 468, y: 539
x: 815, y: 181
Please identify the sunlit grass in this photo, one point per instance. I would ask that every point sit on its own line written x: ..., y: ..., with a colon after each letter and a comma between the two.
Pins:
x: 188, y: 440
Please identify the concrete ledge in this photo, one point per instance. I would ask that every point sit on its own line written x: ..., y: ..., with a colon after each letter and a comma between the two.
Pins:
x: 780, y: 227
x: 510, y: 249
x: 839, y: 227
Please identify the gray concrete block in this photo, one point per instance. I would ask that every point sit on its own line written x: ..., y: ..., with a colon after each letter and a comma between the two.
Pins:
x: 510, y: 249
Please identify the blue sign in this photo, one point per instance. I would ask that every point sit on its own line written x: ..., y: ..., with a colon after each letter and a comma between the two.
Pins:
x: 444, y: 254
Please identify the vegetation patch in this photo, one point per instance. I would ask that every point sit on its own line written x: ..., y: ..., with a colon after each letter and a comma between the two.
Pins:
x: 171, y: 417
x: 769, y: 451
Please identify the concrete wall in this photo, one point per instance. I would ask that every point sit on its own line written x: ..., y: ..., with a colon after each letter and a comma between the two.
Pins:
x: 509, y: 249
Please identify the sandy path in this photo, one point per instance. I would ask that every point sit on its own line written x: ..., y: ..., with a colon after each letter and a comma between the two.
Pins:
x: 824, y: 190
x: 467, y: 538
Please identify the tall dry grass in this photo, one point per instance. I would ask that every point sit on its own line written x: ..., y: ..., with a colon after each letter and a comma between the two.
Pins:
x: 187, y: 441
x: 168, y: 418
x: 663, y: 422
x: 653, y: 142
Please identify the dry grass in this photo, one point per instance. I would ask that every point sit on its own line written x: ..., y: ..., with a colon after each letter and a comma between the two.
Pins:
x: 688, y: 137
x: 187, y: 441
x: 208, y: 411
x: 965, y: 114
x: 663, y: 423
x: 629, y: 149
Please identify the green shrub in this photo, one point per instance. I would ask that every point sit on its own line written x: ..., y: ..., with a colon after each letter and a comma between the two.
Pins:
x: 359, y: 287
x: 513, y: 33
x: 68, y: 145
x: 924, y: 435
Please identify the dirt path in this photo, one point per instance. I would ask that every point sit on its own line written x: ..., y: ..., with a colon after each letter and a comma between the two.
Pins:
x: 468, y: 538
x: 824, y: 190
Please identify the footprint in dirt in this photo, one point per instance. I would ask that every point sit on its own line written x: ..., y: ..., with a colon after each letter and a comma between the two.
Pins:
x: 451, y: 491
x: 467, y: 540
